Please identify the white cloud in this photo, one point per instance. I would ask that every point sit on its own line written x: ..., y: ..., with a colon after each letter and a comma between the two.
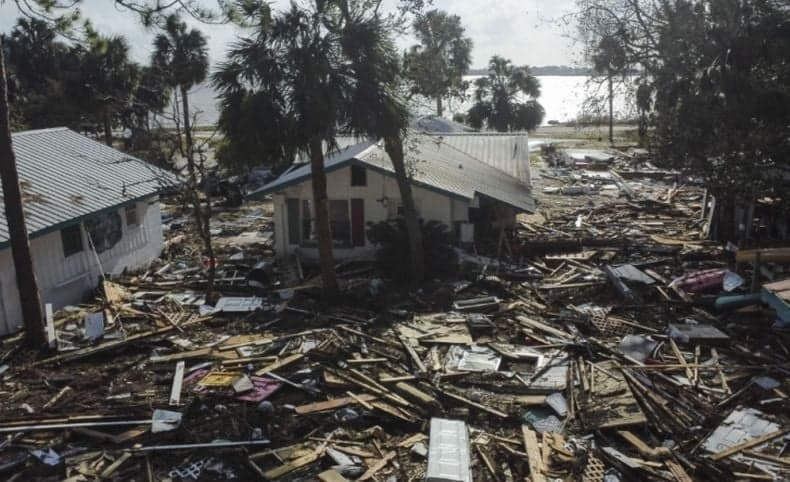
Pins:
x: 526, y: 31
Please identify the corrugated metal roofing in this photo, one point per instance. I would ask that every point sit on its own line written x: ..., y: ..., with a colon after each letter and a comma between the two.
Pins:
x: 434, y: 164
x: 435, y: 124
x: 507, y: 152
x: 65, y: 176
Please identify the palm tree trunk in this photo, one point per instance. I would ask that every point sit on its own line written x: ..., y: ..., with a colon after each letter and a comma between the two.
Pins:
x: 107, y: 120
x: 202, y: 219
x: 320, y: 204
x: 611, y: 110
x: 439, y: 106
x: 394, y: 148
x: 27, y: 286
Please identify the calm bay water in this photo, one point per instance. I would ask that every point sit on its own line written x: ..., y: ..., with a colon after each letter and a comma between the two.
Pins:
x: 563, y: 98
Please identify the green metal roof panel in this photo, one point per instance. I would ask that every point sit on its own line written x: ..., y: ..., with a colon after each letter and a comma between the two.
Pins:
x: 66, y: 176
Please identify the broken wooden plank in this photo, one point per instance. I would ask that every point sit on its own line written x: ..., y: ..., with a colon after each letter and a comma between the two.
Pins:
x: 465, y: 401
x: 280, y: 363
x: 533, y: 454
x: 178, y: 380
x: 378, y: 465
x: 332, y: 404
x: 106, y: 473
x: 749, y: 444
x: 295, y: 464
x: 331, y: 476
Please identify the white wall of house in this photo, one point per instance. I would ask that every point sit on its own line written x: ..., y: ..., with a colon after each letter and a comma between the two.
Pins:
x: 381, y: 198
x: 66, y: 280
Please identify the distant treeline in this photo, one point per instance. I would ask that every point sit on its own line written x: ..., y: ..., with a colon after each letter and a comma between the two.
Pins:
x: 544, y: 70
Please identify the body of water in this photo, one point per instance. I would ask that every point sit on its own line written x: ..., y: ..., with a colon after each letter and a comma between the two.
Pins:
x: 563, y: 98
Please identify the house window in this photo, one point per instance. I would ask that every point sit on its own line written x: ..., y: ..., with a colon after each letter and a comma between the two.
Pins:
x: 340, y: 222
x: 359, y: 176
x: 292, y: 208
x: 72, y: 240
x: 131, y: 215
x: 307, y: 220
x: 104, y: 230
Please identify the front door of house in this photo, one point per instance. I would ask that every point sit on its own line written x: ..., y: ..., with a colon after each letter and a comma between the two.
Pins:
x: 358, y: 222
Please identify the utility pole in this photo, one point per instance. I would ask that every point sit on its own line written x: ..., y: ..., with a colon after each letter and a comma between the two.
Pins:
x: 17, y: 232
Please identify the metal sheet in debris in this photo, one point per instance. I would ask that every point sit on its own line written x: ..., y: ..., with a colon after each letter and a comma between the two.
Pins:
x: 740, y: 426
x: 239, y: 304
x: 553, y: 379
x: 479, y: 359
x: 448, y: 453
x: 631, y: 273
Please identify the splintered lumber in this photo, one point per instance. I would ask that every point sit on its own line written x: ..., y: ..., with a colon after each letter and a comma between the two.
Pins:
x: 356, y: 398
x: 770, y: 458
x: 417, y: 437
x: 114, y: 466
x: 487, y: 462
x: 412, y: 353
x: 678, y: 471
x: 612, y: 403
x: 641, y: 446
x: 295, y: 464
x: 178, y: 380
x: 543, y: 327
x: 280, y: 363
x: 775, y: 255
x: 331, y: 476
x: 378, y: 465
x: 476, y: 405
x: 415, y: 394
x: 748, y: 444
x: 533, y: 454
x: 332, y: 404
x: 92, y: 350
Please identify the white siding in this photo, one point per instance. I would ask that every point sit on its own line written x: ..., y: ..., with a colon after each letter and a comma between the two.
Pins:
x: 64, y: 281
x: 381, y: 196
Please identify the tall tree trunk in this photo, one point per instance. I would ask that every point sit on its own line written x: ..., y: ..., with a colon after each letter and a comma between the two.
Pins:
x: 321, y: 207
x: 394, y: 148
x: 107, y: 120
x: 439, y: 106
x: 611, y: 110
x: 27, y: 286
x: 202, y: 219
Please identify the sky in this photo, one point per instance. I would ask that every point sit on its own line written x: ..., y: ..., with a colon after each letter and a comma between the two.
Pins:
x: 525, y: 31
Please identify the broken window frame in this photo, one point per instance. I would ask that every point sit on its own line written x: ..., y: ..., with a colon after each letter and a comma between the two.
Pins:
x: 71, y: 240
x: 132, y: 216
x: 105, y: 230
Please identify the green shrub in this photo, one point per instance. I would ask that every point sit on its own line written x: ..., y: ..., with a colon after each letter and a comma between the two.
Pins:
x: 441, y: 260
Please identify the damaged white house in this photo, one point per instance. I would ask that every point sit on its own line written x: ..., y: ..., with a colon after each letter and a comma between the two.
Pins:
x: 89, y: 209
x: 466, y: 181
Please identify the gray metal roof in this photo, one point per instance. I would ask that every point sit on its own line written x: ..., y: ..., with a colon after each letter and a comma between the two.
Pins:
x: 433, y: 163
x: 65, y: 176
x: 507, y: 152
x: 436, y: 124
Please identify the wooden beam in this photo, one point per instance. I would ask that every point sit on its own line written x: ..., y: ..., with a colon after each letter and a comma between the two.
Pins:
x: 533, y: 454
x: 749, y: 444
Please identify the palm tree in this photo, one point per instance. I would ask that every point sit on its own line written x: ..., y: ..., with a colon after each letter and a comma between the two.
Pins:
x: 376, y: 111
x: 499, y: 98
x: 293, y: 68
x: 181, y: 57
x: 609, y: 59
